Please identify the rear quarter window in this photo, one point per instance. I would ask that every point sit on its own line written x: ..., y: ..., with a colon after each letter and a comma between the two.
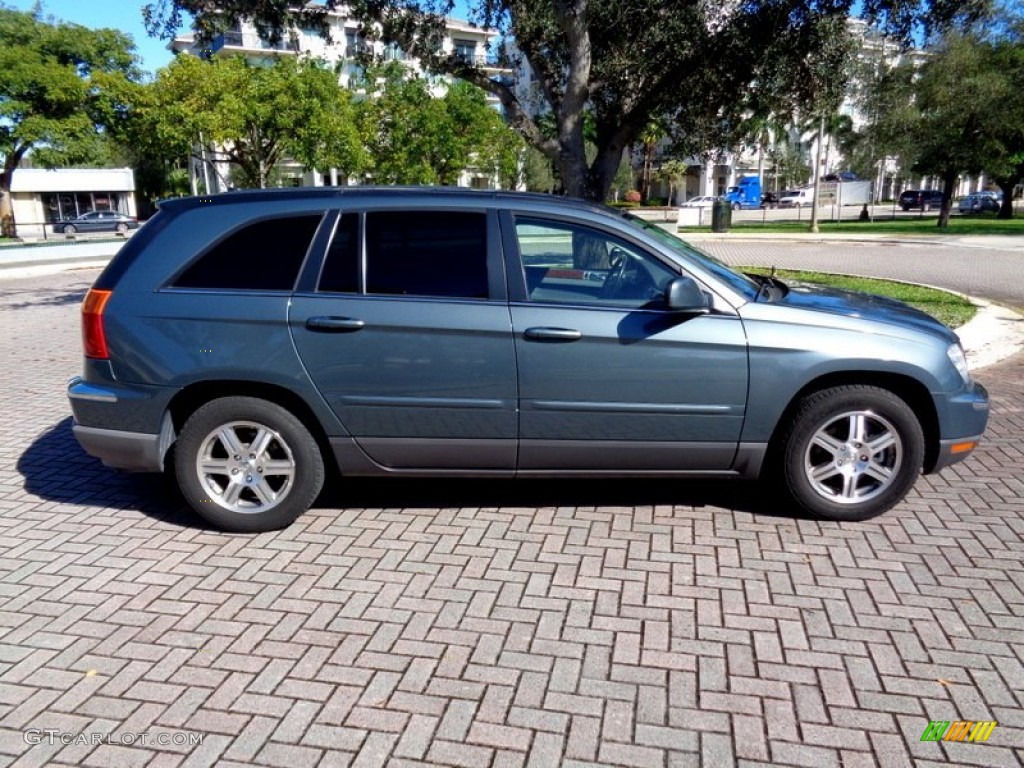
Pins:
x: 265, y: 255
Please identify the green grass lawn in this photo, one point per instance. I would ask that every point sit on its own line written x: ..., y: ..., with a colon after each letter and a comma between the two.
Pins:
x: 949, y: 308
x: 926, y: 226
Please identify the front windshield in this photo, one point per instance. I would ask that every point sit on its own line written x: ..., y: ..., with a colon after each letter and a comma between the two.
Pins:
x: 736, y: 280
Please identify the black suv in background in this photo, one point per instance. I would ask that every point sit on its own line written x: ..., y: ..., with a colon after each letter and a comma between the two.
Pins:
x: 925, y: 199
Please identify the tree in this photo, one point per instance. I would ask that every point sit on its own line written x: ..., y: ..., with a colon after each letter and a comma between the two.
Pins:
x: 627, y: 61
x: 1006, y: 120
x: 251, y: 116
x: 959, y: 112
x: 51, y: 87
x: 674, y: 172
x: 416, y: 137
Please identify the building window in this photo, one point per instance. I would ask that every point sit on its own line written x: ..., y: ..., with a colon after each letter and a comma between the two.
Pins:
x: 71, y: 205
x: 466, y: 50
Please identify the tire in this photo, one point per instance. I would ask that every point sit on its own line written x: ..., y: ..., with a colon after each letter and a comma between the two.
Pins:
x: 70, y: 229
x: 735, y: 206
x: 121, y: 228
x: 238, y: 489
x: 826, y: 468
x: 926, y: 207
x: 905, y: 208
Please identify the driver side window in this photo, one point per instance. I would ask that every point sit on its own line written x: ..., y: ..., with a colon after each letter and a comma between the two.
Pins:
x: 572, y: 264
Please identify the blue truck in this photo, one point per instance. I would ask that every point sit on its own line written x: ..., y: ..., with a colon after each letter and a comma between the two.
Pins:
x: 746, y: 194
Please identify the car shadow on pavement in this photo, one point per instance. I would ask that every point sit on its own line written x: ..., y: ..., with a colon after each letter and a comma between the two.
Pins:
x: 408, y: 493
x: 56, y: 469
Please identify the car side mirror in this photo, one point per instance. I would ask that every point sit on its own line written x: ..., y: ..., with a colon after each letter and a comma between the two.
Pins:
x: 684, y: 295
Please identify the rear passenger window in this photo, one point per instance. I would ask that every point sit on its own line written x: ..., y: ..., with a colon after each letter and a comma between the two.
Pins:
x: 341, y: 269
x: 427, y: 253
x: 264, y: 256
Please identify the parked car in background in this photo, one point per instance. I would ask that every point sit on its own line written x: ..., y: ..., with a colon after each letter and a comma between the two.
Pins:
x: 703, y: 201
x: 797, y: 198
x: 96, y: 221
x: 251, y: 340
x: 978, y: 203
x: 925, y: 199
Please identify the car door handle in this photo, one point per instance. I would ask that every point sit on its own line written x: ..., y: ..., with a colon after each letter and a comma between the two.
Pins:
x: 552, y: 334
x: 335, y: 324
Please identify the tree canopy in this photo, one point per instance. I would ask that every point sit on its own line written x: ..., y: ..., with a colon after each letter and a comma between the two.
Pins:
x: 54, y: 82
x: 414, y: 136
x: 689, y: 63
x: 960, y: 111
x: 250, y: 116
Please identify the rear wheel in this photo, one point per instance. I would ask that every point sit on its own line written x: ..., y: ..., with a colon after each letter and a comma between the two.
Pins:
x: 247, y: 464
x: 852, y: 452
x: 122, y: 228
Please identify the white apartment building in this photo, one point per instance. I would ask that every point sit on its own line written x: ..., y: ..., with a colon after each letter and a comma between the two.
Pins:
x: 461, y: 38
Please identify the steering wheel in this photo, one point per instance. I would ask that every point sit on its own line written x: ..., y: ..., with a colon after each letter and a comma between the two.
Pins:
x: 617, y: 258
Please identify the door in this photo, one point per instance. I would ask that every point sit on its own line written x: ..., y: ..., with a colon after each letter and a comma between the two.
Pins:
x: 608, y: 378
x: 406, y: 334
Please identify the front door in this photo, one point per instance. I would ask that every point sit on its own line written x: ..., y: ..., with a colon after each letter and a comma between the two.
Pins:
x: 408, y: 338
x: 609, y: 379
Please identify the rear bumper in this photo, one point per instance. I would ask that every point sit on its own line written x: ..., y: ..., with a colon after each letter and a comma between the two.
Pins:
x: 136, y: 429
x: 134, y: 451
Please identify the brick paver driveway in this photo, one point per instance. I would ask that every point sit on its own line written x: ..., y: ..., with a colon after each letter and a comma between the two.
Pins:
x: 492, y: 624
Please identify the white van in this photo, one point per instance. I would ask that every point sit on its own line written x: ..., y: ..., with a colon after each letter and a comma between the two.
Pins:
x: 797, y: 198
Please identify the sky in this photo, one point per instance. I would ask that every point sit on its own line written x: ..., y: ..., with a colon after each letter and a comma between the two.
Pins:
x: 124, y: 15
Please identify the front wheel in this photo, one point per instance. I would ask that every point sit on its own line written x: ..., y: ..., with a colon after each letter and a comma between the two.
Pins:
x: 247, y: 465
x: 735, y: 206
x: 69, y: 229
x: 852, y: 452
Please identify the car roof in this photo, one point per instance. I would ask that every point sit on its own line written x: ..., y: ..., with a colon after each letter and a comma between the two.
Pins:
x: 374, y: 193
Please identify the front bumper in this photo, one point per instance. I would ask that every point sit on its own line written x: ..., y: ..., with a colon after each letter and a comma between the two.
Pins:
x: 967, y: 415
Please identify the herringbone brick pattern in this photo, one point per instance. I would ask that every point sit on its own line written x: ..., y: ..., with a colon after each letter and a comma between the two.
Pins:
x: 494, y: 624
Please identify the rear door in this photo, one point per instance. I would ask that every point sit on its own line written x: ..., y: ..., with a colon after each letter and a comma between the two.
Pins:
x: 406, y: 334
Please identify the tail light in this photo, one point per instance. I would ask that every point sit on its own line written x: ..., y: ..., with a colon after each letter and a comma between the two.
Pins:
x: 94, y: 339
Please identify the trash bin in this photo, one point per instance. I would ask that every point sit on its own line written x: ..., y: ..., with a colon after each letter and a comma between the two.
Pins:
x: 721, y: 216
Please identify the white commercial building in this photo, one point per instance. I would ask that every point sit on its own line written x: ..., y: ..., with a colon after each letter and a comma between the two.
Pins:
x: 41, y: 197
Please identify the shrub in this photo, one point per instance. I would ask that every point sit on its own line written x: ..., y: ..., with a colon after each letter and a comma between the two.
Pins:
x: 633, y: 196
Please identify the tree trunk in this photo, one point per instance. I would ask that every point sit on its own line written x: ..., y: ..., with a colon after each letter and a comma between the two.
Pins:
x: 8, y: 227
x: 1006, y: 206
x: 603, y: 171
x: 948, y: 180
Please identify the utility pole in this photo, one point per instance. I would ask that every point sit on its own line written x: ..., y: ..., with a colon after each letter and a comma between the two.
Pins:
x: 817, y: 176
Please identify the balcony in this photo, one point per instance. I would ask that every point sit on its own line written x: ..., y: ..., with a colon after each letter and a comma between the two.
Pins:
x: 245, y: 42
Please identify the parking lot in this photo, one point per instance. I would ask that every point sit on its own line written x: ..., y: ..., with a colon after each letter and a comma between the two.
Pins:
x: 465, y: 623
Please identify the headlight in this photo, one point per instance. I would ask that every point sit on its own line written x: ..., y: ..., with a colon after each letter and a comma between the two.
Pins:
x: 956, y: 356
